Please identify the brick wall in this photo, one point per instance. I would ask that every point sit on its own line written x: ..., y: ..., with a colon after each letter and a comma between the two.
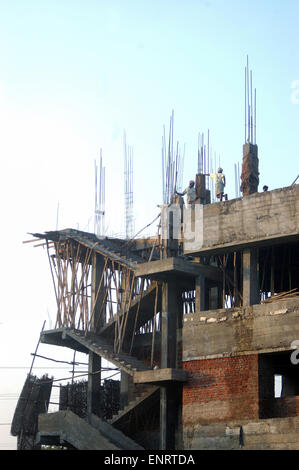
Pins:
x: 221, y: 389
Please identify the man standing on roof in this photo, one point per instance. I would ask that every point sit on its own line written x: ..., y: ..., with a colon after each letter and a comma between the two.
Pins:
x: 220, y: 182
x: 190, y: 191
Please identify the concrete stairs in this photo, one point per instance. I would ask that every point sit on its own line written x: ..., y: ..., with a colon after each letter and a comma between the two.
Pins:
x: 123, y: 361
x: 145, y: 312
x: 67, y: 429
x: 143, y: 400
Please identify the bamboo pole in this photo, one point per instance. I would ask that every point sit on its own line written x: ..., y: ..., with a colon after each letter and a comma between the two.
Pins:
x: 52, y: 275
x: 83, y: 267
x: 136, y: 316
x: 127, y: 311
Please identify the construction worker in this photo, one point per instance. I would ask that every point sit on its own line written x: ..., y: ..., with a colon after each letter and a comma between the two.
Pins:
x: 190, y: 191
x: 220, y: 182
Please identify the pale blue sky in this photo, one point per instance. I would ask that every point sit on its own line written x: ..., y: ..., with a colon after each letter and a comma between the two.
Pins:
x: 75, y: 73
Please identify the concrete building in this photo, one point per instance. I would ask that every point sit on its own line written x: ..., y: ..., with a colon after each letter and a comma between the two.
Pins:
x: 201, y: 329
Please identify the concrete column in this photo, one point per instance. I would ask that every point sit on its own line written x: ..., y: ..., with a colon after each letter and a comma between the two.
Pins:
x: 250, y: 277
x: 95, y: 361
x: 213, y: 298
x: 200, y: 293
x: 200, y: 186
x: 98, y: 319
x: 169, y: 406
x: 124, y: 389
x: 94, y: 384
x: 171, y: 219
x: 250, y: 169
x: 172, y: 310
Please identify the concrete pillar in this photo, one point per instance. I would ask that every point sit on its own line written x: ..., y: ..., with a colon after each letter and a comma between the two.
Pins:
x: 172, y: 310
x: 250, y: 169
x: 200, y: 293
x: 94, y: 384
x: 98, y: 318
x: 169, y: 406
x: 213, y: 298
x: 171, y: 218
x: 95, y: 361
x: 250, y: 277
x: 124, y: 389
x: 200, y: 187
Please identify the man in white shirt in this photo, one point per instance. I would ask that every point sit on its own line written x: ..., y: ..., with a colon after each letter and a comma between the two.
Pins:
x: 220, y: 183
x: 190, y: 191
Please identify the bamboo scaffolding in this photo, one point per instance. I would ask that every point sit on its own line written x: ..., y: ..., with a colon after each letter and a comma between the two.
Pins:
x: 98, y: 292
x: 136, y: 316
x: 127, y: 314
x: 293, y: 293
x: 103, y: 303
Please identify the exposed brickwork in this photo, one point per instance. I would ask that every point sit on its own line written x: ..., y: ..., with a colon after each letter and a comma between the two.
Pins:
x: 221, y: 389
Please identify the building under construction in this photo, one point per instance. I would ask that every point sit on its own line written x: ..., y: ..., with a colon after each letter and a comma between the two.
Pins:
x: 201, y: 321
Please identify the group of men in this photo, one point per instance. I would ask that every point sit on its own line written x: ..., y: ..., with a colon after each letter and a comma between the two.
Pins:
x: 220, y: 183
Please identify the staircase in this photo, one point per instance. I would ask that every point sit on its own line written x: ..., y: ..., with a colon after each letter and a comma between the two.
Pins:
x: 145, y: 312
x: 65, y: 428
x: 123, y: 361
x: 146, y: 397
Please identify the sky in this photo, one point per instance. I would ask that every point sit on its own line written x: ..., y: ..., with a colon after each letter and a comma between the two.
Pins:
x: 74, y: 76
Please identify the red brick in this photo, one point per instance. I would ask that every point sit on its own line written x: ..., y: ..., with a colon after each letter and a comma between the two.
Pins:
x: 230, y: 383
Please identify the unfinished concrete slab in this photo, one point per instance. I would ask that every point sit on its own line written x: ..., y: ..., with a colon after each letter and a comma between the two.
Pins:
x: 161, y: 376
x: 176, y: 268
x: 257, y: 219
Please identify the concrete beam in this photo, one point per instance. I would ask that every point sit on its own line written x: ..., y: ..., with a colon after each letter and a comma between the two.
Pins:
x: 160, y: 376
x: 168, y: 268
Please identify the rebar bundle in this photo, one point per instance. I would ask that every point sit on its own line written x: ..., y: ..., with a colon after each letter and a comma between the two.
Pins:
x: 73, y: 396
x: 128, y: 189
x: 206, y: 163
x: 250, y: 108
x: 99, y: 209
x: 34, y: 399
x: 110, y: 398
x: 172, y: 165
